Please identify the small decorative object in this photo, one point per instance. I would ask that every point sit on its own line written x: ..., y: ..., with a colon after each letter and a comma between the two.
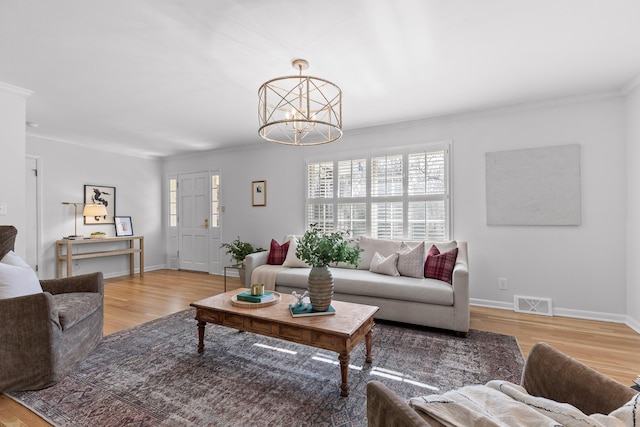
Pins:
x: 98, y: 235
x: 259, y: 193
x: 319, y: 250
x: 257, y: 289
x: 123, y: 226
x: 100, y: 195
x: 300, y: 298
x: 251, y: 301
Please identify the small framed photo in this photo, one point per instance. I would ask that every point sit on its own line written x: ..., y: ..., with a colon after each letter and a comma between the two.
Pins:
x: 259, y: 193
x: 100, y: 195
x: 123, y: 226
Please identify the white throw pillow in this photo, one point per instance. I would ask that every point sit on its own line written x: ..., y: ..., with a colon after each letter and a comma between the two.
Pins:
x: 17, y: 278
x: 292, y: 260
x: 385, y: 265
x: 370, y: 246
x: 411, y: 261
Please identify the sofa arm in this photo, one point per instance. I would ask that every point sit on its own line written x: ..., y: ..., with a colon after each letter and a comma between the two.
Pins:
x: 252, y: 261
x: 92, y: 282
x: 554, y: 375
x: 386, y: 409
x: 460, y: 284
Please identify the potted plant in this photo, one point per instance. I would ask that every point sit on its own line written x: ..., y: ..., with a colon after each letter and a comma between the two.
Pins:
x: 238, y: 251
x: 320, y: 250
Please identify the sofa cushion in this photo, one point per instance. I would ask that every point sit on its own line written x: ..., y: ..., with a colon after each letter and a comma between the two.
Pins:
x: 292, y: 260
x: 386, y: 247
x: 73, y: 307
x: 411, y: 260
x: 370, y: 246
x: 366, y: 283
x: 440, y: 266
x: 385, y: 265
x: 277, y: 252
x: 17, y: 278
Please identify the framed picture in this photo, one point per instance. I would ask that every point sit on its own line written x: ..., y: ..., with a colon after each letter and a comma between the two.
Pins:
x: 123, y: 226
x: 100, y: 195
x: 259, y: 193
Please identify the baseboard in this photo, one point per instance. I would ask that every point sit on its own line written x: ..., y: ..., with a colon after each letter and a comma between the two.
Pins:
x: 633, y: 324
x: 563, y: 312
x: 137, y: 270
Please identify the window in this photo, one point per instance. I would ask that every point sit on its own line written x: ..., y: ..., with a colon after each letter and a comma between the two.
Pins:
x: 173, y: 202
x: 398, y: 195
x: 215, y: 200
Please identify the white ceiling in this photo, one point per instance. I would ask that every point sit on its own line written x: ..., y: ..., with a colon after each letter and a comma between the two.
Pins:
x: 165, y: 77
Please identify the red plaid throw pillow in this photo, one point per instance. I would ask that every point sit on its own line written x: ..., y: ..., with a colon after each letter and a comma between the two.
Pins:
x: 277, y: 253
x: 440, y: 266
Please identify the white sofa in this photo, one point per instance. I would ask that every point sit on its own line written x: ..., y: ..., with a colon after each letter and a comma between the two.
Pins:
x: 427, y: 302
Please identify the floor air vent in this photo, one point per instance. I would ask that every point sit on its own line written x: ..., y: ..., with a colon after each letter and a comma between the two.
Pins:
x: 533, y: 305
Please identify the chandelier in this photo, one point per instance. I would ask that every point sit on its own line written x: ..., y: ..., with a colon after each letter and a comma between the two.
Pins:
x: 300, y: 110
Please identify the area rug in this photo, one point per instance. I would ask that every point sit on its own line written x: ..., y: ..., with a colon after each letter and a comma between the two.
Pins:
x: 152, y: 375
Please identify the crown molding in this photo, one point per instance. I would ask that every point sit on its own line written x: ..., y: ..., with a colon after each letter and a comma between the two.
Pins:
x: 15, y: 90
x: 629, y: 87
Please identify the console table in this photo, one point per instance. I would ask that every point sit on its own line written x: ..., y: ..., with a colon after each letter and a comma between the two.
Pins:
x: 64, y: 252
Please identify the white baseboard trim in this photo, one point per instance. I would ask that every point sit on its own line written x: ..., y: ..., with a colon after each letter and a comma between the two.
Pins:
x: 633, y: 324
x: 137, y: 270
x: 492, y: 304
x: 563, y: 312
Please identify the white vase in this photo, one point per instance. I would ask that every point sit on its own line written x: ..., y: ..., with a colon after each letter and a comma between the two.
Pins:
x: 320, y: 287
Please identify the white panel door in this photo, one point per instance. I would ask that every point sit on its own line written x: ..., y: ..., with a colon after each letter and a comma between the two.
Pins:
x: 193, y: 223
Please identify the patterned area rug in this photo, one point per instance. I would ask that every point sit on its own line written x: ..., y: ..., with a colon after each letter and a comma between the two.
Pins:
x: 152, y: 375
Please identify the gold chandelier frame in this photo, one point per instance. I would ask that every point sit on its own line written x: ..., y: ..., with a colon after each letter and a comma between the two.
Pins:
x: 300, y: 110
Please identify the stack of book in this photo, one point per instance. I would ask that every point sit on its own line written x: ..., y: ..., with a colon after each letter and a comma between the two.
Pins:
x: 247, y: 297
x: 302, y: 311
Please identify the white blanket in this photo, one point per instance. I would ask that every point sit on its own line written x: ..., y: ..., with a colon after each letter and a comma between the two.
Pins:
x: 500, y: 403
x: 266, y: 274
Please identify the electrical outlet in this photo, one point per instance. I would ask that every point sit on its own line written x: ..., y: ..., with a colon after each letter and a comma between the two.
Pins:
x: 503, y: 283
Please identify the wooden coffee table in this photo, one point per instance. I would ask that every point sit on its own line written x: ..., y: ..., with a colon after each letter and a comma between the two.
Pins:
x: 340, y: 332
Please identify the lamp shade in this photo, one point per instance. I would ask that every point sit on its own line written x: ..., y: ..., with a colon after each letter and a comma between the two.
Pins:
x: 94, y: 210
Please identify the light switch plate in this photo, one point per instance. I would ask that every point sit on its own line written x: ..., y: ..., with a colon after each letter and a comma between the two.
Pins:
x: 3, y: 208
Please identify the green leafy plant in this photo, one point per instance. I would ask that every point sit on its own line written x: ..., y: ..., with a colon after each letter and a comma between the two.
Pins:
x: 320, y: 249
x: 239, y: 249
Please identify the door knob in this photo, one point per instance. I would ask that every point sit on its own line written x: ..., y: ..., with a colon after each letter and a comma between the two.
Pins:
x: 206, y: 223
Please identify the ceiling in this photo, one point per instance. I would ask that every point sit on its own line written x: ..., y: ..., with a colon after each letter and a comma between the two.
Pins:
x: 156, y: 78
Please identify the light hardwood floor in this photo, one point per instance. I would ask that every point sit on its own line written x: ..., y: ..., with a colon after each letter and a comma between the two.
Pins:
x: 612, y: 349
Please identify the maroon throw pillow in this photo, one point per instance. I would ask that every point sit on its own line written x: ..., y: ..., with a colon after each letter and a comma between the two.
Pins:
x: 277, y: 253
x: 440, y: 266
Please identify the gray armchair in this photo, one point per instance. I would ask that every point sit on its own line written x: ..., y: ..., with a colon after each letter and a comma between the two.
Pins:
x: 43, y: 335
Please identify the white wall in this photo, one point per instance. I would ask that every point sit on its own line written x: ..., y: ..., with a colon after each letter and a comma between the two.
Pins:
x: 65, y: 169
x: 12, y: 158
x: 633, y: 210
x: 582, y: 268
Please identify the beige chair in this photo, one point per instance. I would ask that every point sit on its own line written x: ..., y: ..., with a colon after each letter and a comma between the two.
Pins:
x: 43, y: 335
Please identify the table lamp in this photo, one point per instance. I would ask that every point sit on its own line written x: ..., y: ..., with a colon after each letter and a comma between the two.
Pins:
x: 89, y: 210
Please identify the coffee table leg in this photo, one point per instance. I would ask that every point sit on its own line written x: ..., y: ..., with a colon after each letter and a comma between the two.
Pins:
x: 201, y: 326
x: 344, y: 372
x: 368, y: 339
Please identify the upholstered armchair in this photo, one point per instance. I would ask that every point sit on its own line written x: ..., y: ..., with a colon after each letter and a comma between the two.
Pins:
x: 44, y: 334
